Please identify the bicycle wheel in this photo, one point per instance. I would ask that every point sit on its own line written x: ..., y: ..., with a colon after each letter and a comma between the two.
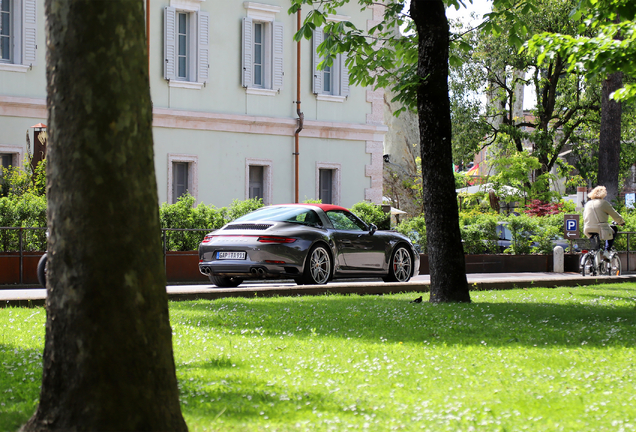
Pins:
x: 587, y: 265
x: 615, y: 267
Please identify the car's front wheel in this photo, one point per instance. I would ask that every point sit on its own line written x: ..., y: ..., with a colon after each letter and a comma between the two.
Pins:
x: 317, y: 267
x: 225, y: 282
x: 401, y: 266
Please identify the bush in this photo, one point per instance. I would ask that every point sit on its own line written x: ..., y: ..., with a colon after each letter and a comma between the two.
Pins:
x: 240, y: 208
x: 521, y: 228
x: 183, y: 215
x: 415, y: 229
x: 479, y: 232
x: 26, y: 210
x: 372, y: 214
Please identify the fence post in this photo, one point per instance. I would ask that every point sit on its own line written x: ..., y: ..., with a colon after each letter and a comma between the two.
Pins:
x: 165, y: 257
x: 21, y: 255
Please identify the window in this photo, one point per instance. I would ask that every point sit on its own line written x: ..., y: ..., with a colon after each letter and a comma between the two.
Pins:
x: 182, y: 176
x: 18, y: 42
x: 326, y: 186
x: 332, y: 82
x: 179, y: 180
x: 328, y: 182
x: 258, y: 179
x: 5, y: 30
x: 262, y: 59
x: 182, y: 53
x: 6, y: 160
x: 186, y: 45
x: 345, y: 221
x: 256, y: 182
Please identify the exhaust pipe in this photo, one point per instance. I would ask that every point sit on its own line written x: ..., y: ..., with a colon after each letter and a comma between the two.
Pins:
x: 206, y: 270
x: 258, y: 271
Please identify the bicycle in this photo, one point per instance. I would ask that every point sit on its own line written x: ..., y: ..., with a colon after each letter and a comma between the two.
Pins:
x: 593, y: 262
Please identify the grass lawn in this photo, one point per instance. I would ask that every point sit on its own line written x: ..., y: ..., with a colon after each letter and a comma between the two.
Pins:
x: 528, y: 359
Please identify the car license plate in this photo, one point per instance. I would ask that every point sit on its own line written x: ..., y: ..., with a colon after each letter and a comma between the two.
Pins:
x: 230, y: 255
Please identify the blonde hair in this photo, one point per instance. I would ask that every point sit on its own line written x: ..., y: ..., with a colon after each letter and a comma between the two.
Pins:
x: 599, y: 192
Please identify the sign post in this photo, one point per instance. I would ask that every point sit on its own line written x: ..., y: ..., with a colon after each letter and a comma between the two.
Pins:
x: 571, y: 227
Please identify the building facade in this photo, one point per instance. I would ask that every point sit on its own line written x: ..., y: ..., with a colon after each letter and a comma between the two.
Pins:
x: 223, y: 79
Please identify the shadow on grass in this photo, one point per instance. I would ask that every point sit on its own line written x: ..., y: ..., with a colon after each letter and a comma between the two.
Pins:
x: 239, y: 400
x: 589, y: 316
x: 20, y: 378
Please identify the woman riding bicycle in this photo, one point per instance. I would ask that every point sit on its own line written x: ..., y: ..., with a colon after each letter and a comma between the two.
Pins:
x: 595, y: 216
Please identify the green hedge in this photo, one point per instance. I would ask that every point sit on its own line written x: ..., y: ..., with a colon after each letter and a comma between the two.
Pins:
x: 478, y: 230
x: 27, y: 210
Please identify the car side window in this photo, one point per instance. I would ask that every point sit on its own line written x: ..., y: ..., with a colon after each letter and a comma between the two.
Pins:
x: 308, y: 218
x: 345, y: 221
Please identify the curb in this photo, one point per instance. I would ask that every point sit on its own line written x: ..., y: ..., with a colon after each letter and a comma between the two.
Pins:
x: 370, y: 288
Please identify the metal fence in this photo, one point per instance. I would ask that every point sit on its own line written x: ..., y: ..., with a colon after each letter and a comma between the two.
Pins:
x: 22, y: 240
x: 29, y: 239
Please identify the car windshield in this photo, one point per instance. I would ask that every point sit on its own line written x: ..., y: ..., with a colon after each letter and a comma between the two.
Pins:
x: 300, y: 215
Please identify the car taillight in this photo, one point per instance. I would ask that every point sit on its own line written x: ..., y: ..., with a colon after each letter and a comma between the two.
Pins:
x: 208, y: 238
x: 274, y: 239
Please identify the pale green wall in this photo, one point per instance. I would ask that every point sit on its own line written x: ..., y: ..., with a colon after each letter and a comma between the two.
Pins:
x: 223, y: 92
x: 221, y: 164
x: 222, y: 154
x: 31, y: 84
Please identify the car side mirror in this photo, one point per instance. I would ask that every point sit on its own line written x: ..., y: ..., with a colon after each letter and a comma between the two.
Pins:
x: 372, y: 229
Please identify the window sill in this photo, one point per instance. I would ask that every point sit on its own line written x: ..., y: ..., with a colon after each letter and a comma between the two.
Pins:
x: 185, y: 84
x: 331, y: 98
x: 8, y: 67
x: 260, y: 91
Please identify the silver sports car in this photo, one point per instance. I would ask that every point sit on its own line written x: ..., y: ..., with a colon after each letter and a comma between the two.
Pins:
x: 310, y: 243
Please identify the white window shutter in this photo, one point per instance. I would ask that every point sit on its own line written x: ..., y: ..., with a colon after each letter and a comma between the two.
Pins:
x: 317, y: 78
x: 277, y: 56
x: 203, y: 46
x: 29, y: 32
x: 344, y: 75
x: 248, y: 47
x: 169, y: 43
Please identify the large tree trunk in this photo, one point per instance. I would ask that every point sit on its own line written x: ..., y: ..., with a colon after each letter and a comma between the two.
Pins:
x: 446, y: 254
x: 609, y: 148
x: 108, y: 362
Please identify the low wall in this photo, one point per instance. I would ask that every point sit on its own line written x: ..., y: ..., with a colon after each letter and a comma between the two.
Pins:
x: 183, y: 267
x: 504, y: 263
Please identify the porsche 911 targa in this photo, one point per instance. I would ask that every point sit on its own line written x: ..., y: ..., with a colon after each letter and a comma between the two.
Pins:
x: 310, y: 243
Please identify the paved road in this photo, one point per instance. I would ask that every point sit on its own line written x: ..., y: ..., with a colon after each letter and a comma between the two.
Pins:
x: 479, y: 281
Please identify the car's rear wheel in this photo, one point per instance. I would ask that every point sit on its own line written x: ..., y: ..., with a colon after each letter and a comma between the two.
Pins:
x: 317, y: 267
x: 42, y: 266
x: 225, y: 282
x: 401, y: 266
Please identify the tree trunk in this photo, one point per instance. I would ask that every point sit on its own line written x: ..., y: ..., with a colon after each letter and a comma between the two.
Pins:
x: 108, y: 362
x: 609, y: 148
x: 446, y: 254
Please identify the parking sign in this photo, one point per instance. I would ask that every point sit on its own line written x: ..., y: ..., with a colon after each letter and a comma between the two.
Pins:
x: 571, y: 226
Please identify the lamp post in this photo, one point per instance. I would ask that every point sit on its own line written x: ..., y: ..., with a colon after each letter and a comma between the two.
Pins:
x: 39, y: 144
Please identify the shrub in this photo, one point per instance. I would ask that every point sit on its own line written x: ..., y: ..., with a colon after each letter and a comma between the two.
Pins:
x: 521, y: 228
x: 183, y: 215
x: 415, y: 229
x: 544, y: 237
x: 26, y: 210
x: 240, y: 208
x: 372, y: 214
x: 479, y: 232
x: 543, y: 208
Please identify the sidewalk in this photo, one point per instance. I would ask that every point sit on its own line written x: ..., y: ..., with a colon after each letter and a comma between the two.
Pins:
x: 479, y: 281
